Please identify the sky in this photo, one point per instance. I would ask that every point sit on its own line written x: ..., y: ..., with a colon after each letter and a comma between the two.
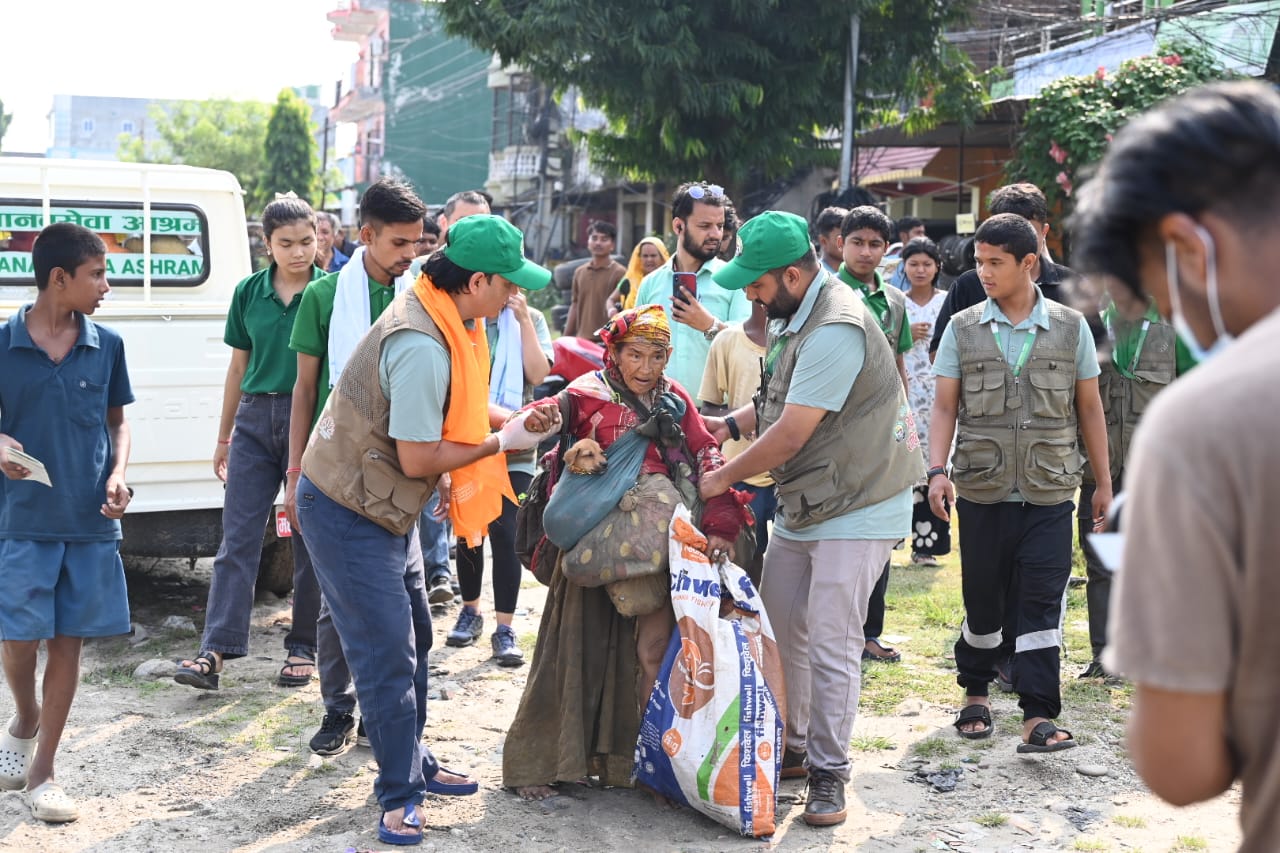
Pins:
x: 241, y: 49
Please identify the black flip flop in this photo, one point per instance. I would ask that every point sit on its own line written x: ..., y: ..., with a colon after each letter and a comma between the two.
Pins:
x: 1039, y: 740
x: 974, y: 713
x: 285, y: 680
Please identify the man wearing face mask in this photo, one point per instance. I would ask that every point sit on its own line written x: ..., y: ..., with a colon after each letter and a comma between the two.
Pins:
x: 698, y: 314
x: 1195, y: 626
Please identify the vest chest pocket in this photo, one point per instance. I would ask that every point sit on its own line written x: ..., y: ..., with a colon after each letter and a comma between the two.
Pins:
x: 1051, y: 395
x: 1146, y: 384
x: 983, y: 393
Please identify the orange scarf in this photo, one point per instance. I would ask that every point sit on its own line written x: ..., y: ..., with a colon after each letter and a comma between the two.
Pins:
x: 477, y: 490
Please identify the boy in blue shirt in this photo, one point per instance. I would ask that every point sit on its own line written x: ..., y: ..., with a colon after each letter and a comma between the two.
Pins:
x: 63, y: 388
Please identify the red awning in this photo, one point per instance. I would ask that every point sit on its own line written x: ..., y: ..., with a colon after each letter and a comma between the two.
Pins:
x: 878, y: 165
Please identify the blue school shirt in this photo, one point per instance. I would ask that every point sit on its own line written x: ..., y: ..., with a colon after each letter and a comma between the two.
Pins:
x: 59, y: 414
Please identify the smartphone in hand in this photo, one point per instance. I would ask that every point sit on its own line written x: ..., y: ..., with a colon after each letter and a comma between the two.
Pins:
x: 687, y: 280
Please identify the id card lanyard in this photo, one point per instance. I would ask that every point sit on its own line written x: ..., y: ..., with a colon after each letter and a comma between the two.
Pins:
x: 1026, y: 347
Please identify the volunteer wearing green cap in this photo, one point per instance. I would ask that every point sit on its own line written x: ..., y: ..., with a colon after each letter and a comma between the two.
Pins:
x: 837, y: 435
x: 411, y: 403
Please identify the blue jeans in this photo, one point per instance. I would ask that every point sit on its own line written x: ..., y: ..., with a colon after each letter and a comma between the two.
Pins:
x: 337, y: 690
x: 434, y: 536
x: 256, y: 463
x: 379, y: 607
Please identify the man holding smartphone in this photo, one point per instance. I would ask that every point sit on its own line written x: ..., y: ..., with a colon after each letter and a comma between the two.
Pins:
x: 698, y: 307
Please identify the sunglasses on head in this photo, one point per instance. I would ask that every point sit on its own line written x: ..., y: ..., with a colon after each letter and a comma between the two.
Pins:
x: 702, y: 191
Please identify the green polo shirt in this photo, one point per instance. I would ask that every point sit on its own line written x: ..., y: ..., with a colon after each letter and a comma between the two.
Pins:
x: 879, y: 305
x: 261, y: 324
x: 311, y: 329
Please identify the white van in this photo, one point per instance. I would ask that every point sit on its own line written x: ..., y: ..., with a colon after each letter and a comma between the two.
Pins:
x: 169, y: 302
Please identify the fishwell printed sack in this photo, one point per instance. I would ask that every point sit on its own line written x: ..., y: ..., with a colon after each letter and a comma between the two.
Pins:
x: 711, y: 737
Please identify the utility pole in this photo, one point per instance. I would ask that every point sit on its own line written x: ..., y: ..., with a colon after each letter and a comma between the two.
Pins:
x: 850, y: 81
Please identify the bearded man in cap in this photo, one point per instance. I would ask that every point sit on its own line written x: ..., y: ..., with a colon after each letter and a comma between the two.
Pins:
x: 838, y: 437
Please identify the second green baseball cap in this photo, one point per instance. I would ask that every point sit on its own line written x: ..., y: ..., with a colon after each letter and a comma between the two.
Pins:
x: 771, y: 240
x: 490, y: 244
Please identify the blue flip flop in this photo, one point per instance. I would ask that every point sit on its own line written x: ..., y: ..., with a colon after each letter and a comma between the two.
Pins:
x: 451, y: 789
x: 400, y: 839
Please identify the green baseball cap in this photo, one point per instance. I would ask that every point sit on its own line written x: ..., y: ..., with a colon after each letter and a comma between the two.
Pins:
x: 490, y: 244
x: 771, y: 240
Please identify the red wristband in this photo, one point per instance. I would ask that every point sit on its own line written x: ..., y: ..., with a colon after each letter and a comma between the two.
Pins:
x: 224, y: 441
x: 288, y: 471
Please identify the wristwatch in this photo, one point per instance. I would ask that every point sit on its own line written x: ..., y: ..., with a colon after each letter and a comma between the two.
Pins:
x: 716, y: 326
x: 933, y: 472
x: 732, y: 423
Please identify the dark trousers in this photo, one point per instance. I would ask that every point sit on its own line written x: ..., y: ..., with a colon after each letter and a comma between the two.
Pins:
x: 1098, y: 591
x: 1025, y: 550
x: 874, y: 626
x: 506, y: 565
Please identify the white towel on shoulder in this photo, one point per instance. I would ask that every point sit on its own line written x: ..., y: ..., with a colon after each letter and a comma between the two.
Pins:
x: 351, y: 312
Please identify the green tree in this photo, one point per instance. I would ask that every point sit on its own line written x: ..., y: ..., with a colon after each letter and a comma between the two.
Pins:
x: 5, y: 118
x: 216, y: 134
x: 292, y: 164
x: 1071, y: 121
x: 725, y: 88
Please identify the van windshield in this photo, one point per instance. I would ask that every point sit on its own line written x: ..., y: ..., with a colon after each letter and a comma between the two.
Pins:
x: 179, y: 237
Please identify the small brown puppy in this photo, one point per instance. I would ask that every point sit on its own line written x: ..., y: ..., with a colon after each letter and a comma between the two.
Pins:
x: 585, y: 457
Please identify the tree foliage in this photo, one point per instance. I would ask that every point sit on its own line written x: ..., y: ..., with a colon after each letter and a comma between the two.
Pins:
x: 292, y: 164
x: 216, y: 134
x: 5, y: 118
x: 722, y: 88
x: 1071, y: 121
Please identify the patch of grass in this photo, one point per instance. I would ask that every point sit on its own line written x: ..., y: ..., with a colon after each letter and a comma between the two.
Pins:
x: 1128, y: 821
x: 530, y: 582
x: 935, y: 747
x: 1083, y: 843
x: 886, y: 686
x: 115, y: 675
x: 991, y: 819
x: 1190, y: 842
x: 147, y: 688
x: 526, y: 642
x: 871, y: 743
x: 948, y: 765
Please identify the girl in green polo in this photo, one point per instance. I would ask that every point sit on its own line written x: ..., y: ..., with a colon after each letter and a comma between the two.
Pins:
x: 252, y: 453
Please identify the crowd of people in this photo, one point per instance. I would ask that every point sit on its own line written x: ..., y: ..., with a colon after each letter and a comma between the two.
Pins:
x: 812, y: 412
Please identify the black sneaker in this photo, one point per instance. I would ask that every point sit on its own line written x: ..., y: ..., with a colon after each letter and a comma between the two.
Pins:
x: 335, y: 735
x: 825, y: 806
x: 505, y: 650
x: 440, y: 591
x: 467, y: 629
x: 362, y: 739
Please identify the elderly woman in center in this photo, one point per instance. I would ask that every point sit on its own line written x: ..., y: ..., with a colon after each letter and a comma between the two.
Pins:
x: 600, y: 646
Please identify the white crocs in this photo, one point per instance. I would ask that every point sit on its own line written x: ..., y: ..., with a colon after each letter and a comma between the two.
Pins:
x: 51, y: 804
x: 15, y: 758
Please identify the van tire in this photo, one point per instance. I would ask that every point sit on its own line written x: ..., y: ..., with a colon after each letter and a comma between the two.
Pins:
x: 275, y: 570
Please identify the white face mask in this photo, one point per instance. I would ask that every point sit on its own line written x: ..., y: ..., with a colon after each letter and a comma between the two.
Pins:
x: 1181, y: 326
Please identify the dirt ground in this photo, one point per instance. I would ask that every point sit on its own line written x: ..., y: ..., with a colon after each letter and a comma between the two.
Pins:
x: 161, y: 767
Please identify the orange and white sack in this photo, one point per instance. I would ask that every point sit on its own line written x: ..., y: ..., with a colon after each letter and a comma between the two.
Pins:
x: 711, y: 737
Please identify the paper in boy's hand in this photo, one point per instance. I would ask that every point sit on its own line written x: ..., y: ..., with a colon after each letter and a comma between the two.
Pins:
x: 38, y: 472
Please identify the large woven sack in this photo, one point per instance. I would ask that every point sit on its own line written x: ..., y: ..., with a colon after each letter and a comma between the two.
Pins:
x: 711, y: 736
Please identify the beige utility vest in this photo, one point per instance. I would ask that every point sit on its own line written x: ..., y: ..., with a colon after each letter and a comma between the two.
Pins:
x: 865, y: 453
x: 1017, y: 432
x: 1125, y: 398
x: 351, y: 456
